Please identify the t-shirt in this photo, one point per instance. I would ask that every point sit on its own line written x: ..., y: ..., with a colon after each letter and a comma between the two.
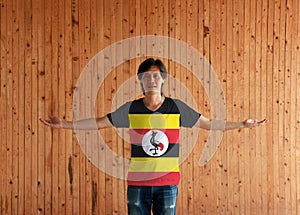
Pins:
x: 154, y: 138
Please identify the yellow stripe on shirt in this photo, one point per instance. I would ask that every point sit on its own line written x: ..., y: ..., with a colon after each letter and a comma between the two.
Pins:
x: 150, y: 121
x: 161, y: 164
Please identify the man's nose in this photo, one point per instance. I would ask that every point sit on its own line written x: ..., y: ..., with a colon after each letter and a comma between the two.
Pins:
x: 152, y: 79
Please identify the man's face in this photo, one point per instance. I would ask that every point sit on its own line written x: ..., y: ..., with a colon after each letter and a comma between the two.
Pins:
x: 152, y: 80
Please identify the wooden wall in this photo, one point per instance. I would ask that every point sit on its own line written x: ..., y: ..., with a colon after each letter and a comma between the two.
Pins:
x: 254, y: 49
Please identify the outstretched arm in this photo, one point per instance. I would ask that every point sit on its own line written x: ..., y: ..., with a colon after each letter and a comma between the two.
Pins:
x: 209, y: 124
x: 85, y: 124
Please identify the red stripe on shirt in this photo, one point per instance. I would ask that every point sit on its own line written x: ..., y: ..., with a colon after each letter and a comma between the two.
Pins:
x: 136, y: 135
x: 153, y: 178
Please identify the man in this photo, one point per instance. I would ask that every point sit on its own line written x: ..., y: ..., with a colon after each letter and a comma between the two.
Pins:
x: 154, y: 123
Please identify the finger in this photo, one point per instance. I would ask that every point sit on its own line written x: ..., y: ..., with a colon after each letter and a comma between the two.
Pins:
x: 45, y: 121
x: 42, y: 120
x: 263, y: 121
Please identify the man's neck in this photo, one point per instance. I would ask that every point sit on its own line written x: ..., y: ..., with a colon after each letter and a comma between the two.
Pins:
x: 153, y: 100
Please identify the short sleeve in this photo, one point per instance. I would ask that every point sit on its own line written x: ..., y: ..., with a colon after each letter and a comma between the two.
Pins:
x: 188, y: 116
x: 119, y: 118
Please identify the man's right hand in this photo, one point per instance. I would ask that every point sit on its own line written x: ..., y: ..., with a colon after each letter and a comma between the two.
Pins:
x: 54, y: 122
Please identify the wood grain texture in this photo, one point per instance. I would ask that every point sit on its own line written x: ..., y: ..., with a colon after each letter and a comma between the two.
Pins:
x: 253, y: 47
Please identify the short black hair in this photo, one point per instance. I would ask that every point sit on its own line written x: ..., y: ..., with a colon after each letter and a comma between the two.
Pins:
x: 146, y: 64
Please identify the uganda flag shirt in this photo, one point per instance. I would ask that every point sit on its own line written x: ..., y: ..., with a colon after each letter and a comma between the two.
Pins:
x: 154, y: 138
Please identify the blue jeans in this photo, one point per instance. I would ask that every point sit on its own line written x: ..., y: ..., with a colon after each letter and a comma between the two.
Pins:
x: 162, y: 199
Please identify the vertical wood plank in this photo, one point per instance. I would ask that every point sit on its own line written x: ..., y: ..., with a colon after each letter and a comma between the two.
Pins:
x: 213, y: 94
x: 15, y: 107
x: 93, y: 149
x: 87, y: 107
x: 223, y: 164
x: 123, y: 150
x: 234, y: 104
x: 21, y: 102
x: 10, y: 108
x: 27, y: 108
x: 101, y: 104
x: 55, y: 107
x: 4, y: 201
x: 34, y: 106
x: 74, y: 162
x: 293, y: 7
x: 118, y: 32
x: 232, y: 163
x: 41, y: 196
x: 270, y: 144
x: 287, y: 107
x: 9, y: 111
x: 187, y: 206
x: 200, y: 187
x: 283, y: 207
x: 48, y: 107
x: 206, y: 171
x: 82, y: 54
x: 253, y: 189
x: 109, y: 86
x: 257, y: 109
x: 192, y: 27
x: 246, y: 103
x: 95, y: 203
x: 279, y: 205
x: 263, y: 106
x: 297, y: 64
x: 61, y: 108
x: 69, y: 167
x: 239, y: 104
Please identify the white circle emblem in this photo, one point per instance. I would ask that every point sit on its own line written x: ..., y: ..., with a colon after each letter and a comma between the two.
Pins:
x: 155, y: 143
